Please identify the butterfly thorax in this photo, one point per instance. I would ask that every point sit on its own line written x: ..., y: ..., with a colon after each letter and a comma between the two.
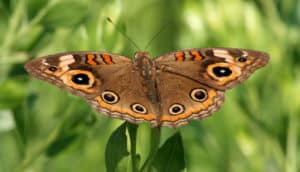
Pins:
x: 144, y: 64
x: 147, y: 70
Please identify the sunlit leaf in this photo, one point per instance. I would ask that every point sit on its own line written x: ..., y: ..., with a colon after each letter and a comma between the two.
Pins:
x: 170, y: 157
x: 116, y: 148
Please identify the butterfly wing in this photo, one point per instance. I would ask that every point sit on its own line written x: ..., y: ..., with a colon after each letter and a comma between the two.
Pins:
x: 110, y: 83
x: 220, y: 68
x: 191, y: 83
x: 183, y: 99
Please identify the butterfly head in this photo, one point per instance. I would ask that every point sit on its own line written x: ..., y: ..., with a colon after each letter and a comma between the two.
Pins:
x: 142, y: 58
x: 141, y: 55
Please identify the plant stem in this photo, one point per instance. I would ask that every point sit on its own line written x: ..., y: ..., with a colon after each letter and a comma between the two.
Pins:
x: 155, y: 139
x: 132, y: 134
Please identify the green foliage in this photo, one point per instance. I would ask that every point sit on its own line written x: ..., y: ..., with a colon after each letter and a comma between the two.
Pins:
x: 116, y: 148
x: 170, y: 157
x: 45, y: 129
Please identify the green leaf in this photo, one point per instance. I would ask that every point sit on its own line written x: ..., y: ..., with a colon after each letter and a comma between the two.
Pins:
x: 60, y: 144
x: 170, y: 157
x: 116, y: 148
x: 123, y: 165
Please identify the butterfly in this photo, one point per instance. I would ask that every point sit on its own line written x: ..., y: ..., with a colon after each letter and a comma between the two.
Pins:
x: 168, y: 91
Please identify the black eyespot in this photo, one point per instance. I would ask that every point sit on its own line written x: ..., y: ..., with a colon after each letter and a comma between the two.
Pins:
x: 52, y: 68
x: 221, y: 71
x: 138, y: 108
x: 242, y: 59
x: 176, y: 109
x: 198, y: 94
x: 109, y: 97
x: 81, y: 79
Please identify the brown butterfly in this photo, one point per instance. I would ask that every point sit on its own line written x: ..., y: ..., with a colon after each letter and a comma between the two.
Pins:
x: 167, y: 91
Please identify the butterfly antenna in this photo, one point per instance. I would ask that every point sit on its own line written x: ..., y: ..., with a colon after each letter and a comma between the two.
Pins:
x: 123, y: 33
x: 156, y: 35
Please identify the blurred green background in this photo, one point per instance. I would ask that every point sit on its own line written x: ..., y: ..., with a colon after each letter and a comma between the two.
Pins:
x: 43, y: 128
